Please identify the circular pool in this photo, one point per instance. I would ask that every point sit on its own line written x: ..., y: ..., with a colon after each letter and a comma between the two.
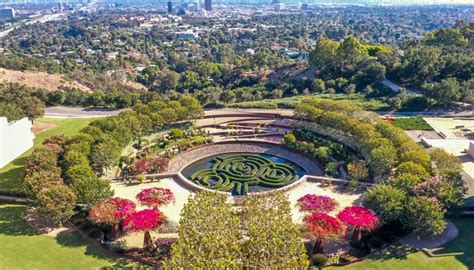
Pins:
x: 241, y: 173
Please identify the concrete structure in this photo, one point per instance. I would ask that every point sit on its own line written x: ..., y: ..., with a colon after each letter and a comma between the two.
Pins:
x: 15, y: 138
x: 208, y: 5
x: 470, y: 150
x: 170, y: 7
x: 7, y: 13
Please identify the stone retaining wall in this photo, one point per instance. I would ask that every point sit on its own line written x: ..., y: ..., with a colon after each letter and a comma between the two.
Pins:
x: 184, y: 159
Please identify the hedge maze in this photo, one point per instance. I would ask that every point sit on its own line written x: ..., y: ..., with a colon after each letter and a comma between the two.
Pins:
x: 236, y: 173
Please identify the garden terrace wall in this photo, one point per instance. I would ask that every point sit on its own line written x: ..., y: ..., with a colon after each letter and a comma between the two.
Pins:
x: 184, y: 159
x: 336, y: 135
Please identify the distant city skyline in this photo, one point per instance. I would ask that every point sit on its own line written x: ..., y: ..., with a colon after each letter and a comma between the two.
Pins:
x: 335, y: 2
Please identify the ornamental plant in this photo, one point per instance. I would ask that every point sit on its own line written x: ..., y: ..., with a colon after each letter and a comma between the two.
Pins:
x: 359, y: 219
x: 112, y: 212
x: 144, y: 221
x: 320, y: 226
x: 318, y: 203
x: 150, y: 165
x: 155, y: 197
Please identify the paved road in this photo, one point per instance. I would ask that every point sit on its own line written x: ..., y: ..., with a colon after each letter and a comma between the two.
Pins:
x: 67, y: 112
x: 394, y: 87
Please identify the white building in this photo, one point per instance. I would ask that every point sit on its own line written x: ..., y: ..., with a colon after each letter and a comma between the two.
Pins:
x: 15, y: 138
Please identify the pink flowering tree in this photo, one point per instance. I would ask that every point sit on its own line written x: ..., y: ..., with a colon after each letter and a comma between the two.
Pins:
x: 111, y: 212
x: 318, y: 203
x: 359, y: 219
x: 150, y: 165
x: 321, y: 226
x: 155, y: 197
x: 144, y: 221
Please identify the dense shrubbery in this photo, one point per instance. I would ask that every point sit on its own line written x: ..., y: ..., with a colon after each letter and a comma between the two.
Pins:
x: 214, y: 236
x: 82, y: 159
x: 406, y: 168
x: 239, y: 172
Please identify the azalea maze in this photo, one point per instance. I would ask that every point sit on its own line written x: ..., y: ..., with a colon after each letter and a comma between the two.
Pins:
x: 238, y: 172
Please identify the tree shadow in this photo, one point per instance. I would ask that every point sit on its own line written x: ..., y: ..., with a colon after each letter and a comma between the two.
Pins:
x: 396, y: 251
x: 13, y: 223
x: 73, y: 239
x: 461, y: 248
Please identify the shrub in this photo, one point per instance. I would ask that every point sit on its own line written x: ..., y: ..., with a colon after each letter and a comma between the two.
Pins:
x: 176, y: 133
x: 425, y: 216
x: 387, y: 236
x: 375, y: 243
x: 358, y: 170
x: 56, y: 203
x: 387, y: 201
x: 319, y: 260
x: 155, y: 197
x: 319, y: 203
x: 412, y: 168
x: 359, y: 253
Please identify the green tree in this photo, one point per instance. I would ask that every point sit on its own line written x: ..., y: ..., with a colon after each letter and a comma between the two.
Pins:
x: 445, y: 162
x: 56, y: 203
x: 386, y: 201
x: 267, y: 217
x: 208, y: 235
x: 382, y: 159
x: 323, y: 58
x: 425, y: 216
x: 445, y: 92
x: 11, y: 111
x: 105, y: 155
x: 88, y: 188
x: 358, y: 170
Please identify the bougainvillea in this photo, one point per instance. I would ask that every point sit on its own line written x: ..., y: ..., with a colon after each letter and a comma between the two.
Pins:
x: 144, y: 220
x: 111, y: 211
x: 320, y: 226
x: 155, y: 197
x: 150, y: 165
x: 358, y: 217
x: 318, y: 203
x: 323, y: 225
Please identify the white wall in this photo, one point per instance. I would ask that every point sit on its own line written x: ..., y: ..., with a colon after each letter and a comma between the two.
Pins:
x: 15, y: 138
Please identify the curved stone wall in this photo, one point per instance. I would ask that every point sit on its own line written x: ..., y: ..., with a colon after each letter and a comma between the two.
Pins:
x: 184, y: 159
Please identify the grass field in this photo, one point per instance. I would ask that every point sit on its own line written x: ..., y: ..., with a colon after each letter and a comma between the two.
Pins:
x: 11, y: 174
x: 411, y: 123
x: 22, y: 248
x: 456, y: 255
x: 368, y: 103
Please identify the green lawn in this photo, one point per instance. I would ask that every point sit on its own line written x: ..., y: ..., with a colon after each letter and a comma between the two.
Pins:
x: 22, y: 248
x: 11, y: 174
x: 363, y: 100
x: 458, y: 254
x: 411, y: 123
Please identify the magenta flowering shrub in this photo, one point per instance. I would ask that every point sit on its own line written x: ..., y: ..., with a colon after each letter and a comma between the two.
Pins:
x: 111, y: 211
x: 144, y: 220
x: 318, y: 203
x: 359, y: 218
x: 155, y: 197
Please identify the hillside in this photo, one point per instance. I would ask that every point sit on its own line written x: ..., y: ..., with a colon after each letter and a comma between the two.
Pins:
x: 42, y: 80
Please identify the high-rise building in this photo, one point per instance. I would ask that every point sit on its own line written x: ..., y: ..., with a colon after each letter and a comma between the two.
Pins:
x: 170, y: 7
x: 7, y: 13
x: 208, y: 5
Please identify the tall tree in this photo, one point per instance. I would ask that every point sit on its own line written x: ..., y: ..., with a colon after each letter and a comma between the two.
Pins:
x: 208, y: 235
